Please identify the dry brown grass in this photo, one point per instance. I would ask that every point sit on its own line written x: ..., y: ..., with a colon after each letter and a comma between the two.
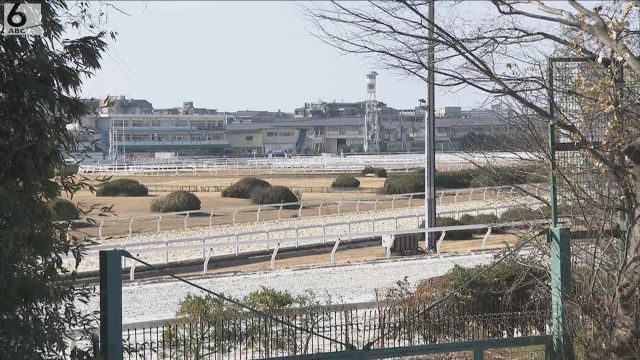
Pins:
x: 123, y: 206
x: 342, y: 257
x: 140, y: 205
x: 426, y: 289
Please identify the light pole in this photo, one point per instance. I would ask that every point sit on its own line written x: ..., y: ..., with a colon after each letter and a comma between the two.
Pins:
x: 429, y: 133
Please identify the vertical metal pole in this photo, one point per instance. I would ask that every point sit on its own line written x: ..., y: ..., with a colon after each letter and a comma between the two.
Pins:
x: 124, y: 147
x: 110, y: 304
x: 552, y: 150
x: 430, y: 146
x: 560, y: 250
x: 560, y: 288
x: 478, y: 354
x: 548, y: 350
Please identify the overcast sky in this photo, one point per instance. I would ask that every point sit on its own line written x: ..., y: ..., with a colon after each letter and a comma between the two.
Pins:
x: 236, y: 56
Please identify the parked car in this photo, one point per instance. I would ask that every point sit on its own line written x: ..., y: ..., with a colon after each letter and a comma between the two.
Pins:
x: 280, y: 154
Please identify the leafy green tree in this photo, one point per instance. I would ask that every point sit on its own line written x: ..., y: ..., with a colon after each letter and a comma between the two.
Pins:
x: 204, y: 325
x: 40, y: 77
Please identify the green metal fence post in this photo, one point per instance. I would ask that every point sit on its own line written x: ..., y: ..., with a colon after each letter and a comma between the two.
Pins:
x: 548, y: 350
x: 478, y: 354
x: 560, y: 288
x: 111, y: 304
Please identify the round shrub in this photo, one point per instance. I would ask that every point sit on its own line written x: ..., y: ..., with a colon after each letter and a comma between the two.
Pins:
x: 176, y: 201
x: 380, y: 172
x: 122, y: 187
x: 274, y: 195
x: 244, y: 188
x: 368, y: 169
x: 69, y: 170
x: 345, y: 181
x: 64, y: 210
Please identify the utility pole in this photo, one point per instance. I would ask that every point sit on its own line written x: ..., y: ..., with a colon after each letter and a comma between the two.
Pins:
x: 429, y: 133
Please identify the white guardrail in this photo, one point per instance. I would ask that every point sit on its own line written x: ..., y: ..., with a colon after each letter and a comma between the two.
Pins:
x: 459, y: 195
x: 207, y: 246
x: 296, y: 165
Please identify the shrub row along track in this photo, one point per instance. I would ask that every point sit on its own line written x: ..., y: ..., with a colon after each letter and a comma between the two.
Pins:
x: 146, y: 223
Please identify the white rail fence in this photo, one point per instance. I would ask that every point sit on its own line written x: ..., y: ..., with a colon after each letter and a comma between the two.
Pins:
x: 273, y: 239
x: 260, y: 213
x: 295, y: 165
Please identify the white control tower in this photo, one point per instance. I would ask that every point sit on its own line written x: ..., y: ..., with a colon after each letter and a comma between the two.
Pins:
x: 371, y: 128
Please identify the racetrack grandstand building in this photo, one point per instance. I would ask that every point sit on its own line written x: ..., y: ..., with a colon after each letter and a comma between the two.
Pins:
x: 147, y: 133
x: 116, y: 128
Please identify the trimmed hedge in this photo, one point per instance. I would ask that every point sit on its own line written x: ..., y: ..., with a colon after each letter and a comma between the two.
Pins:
x: 453, y: 179
x: 491, y: 176
x: 122, y: 187
x: 379, y: 172
x: 176, y: 201
x: 486, y: 219
x: 63, y: 210
x: 468, y: 219
x: 345, y: 181
x: 404, y: 183
x: 244, y: 188
x: 274, y: 195
x: 453, y: 235
x: 523, y: 213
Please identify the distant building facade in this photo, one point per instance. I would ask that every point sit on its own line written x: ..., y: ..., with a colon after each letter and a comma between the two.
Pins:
x: 118, y: 105
x: 186, y: 109
x: 119, y: 125
x: 149, y: 133
x: 251, y: 116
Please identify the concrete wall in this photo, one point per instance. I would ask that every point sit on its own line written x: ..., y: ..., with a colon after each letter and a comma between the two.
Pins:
x: 280, y: 139
x: 245, y: 142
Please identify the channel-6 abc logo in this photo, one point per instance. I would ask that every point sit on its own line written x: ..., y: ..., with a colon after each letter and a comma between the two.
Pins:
x: 21, y: 19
